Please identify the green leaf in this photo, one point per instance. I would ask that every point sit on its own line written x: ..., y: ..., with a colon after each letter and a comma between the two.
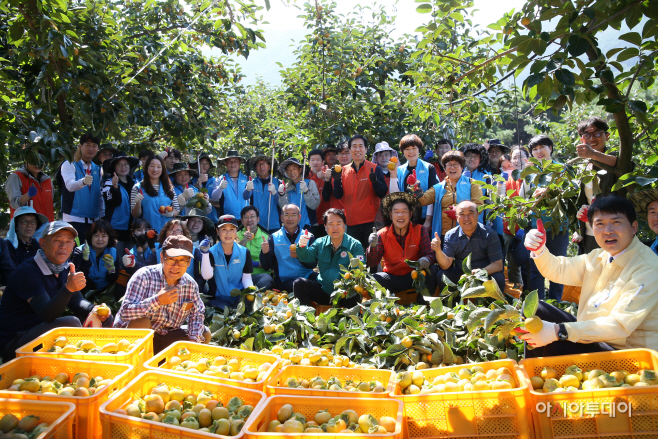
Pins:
x: 530, y: 304
x: 637, y: 106
x: 248, y: 345
x: 339, y: 344
x: 565, y: 77
x: 632, y: 37
x: 466, y: 265
x: 425, y: 8
x: 498, y: 314
x: 493, y: 290
x: 577, y: 46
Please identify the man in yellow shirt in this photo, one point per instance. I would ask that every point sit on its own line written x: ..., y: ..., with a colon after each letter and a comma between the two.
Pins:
x: 619, y: 281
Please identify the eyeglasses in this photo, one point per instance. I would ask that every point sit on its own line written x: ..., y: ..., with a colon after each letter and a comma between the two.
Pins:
x: 253, y: 217
x: 472, y: 156
x: 174, y: 232
x: 178, y: 263
x: 596, y: 134
x: 452, y: 165
x: 290, y: 215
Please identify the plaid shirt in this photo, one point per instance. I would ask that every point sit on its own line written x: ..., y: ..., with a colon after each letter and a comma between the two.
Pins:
x: 376, y: 254
x: 140, y: 301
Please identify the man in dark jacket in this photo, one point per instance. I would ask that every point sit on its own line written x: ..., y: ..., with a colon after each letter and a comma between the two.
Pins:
x: 21, y: 243
x: 40, y: 289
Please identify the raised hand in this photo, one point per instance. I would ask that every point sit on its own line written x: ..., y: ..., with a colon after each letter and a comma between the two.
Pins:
x: 536, y: 238
x: 223, y: 184
x: 250, y: 185
x: 75, y: 281
x: 271, y: 188
x: 303, y: 187
x: 248, y: 235
x: 168, y: 295
x: 265, y: 246
x: 32, y: 191
x: 372, y: 176
x: 303, y: 241
x: 88, y: 180
x: 582, y: 213
x: 203, y: 178
x: 139, y: 197
x: 436, y: 242
x: 188, y: 193
x: 204, y: 246
x: 373, y: 238
x: 115, y: 181
x: 128, y: 259
x: 85, y: 251
x: 282, y: 189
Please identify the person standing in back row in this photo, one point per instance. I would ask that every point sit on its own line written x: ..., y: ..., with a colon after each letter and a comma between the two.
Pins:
x: 29, y: 186
x: 80, y: 185
x: 361, y: 186
x: 416, y: 169
x: 234, y: 188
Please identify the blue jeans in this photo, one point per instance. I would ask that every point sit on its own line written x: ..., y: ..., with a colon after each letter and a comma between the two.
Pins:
x: 557, y: 245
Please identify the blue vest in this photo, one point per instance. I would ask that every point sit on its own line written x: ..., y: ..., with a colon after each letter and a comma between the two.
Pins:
x: 296, y: 197
x: 151, y: 208
x: 463, y: 193
x: 233, y: 203
x: 422, y: 174
x: 121, y: 215
x: 98, y: 272
x: 654, y: 246
x: 289, y: 268
x: 138, y: 176
x: 178, y: 189
x: 86, y: 201
x: 263, y: 201
x: 228, y: 278
x: 210, y: 185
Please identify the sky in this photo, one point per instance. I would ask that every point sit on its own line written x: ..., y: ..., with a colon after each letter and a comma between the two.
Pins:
x: 285, y: 30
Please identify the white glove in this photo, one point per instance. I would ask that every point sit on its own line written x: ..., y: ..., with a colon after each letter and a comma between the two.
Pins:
x: 138, y: 198
x: 182, y: 200
x: 535, y: 241
x: 424, y: 263
x: 271, y: 188
x: 163, y: 155
x: 320, y: 175
x: 128, y: 261
x: 188, y: 193
x: 250, y: 186
x: 282, y: 189
x: 223, y: 184
x: 373, y: 239
x: 202, y: 179
x: 88, y: 180
x: 303, y: 241
x: 546, y: 335
x: 576, y: 237
x: 169, y: 214
x: 303, y: 187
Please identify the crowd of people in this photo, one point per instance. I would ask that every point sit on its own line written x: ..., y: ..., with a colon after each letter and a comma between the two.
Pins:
x: 157, y: 232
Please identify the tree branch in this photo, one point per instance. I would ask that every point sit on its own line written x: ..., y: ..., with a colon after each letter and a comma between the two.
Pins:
x: 637, y: 71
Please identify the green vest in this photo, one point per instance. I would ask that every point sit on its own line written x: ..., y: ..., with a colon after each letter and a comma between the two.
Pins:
x: 254, y: 247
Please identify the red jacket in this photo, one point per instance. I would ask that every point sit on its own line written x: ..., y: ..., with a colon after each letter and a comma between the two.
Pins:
x: 42, y: 202
x: 359, y: 198
x: 394, y: 255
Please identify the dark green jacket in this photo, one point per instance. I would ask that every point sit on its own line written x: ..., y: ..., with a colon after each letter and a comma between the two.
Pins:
x: 329, y: 262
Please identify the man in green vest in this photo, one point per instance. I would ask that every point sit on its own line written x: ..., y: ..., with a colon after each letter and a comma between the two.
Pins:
x: 252, y: 235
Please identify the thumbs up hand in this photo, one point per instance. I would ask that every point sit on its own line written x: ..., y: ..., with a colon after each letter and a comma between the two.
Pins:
x: 265, y: 246
x: 372, y: 176
x: 128, y: 259
x: 303, y: 241
x: 115, y: 181
x: 204, y: 246
x: 436, y: 242
x: 85, y: 251
x: 250, y: 185
x: 75, y: 281
x: 303, y: 187
x: 108, y: 260
x: 373, y: 238
x: 223, y: 184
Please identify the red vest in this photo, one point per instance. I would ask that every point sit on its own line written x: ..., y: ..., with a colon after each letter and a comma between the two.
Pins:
x: 361, y: 203
x: 394, y: 256
x: 42, y: 202
x: 324, y: 205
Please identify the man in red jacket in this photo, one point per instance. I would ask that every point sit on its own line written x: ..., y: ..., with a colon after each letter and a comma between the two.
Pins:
x: 399, y: 240
x: 361, y: 186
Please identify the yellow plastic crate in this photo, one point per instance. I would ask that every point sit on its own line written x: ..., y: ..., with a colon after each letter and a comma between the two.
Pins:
x: 482, y: 414
x: 564, y: 418
x: 86, y: 422
x: 118, y: 426
x: 101, y: 336
x: 256, y: 426
x: 198, y: 351
x: 277, y: 386
x: 59, y: 415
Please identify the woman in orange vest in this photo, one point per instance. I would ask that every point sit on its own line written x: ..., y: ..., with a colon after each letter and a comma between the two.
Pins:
x: 29, y: 186
x: 401, y: 239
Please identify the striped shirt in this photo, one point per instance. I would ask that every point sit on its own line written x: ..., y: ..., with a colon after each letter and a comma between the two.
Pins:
x: 141, y: 301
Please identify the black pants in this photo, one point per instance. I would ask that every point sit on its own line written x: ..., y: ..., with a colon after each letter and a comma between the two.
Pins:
x: 455, y: 273
x: 395, y: 283
x: 361, y: 232
x: 310, y: 290
x: 552, y: 314
x: 286, y: 286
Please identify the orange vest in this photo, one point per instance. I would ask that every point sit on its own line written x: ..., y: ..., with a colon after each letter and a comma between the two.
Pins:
x: 394, y: 256
x: 42, y: 202
x: 324, y: 205
x: 361, y: 203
